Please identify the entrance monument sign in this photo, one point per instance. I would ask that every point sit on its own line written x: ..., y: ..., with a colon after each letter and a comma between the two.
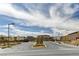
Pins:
x: 39, y: 42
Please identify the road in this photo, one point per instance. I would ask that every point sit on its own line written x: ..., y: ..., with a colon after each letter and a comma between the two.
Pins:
x: 52, y: 49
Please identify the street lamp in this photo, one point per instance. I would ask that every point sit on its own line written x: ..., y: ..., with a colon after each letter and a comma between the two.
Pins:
x: 9, y: 31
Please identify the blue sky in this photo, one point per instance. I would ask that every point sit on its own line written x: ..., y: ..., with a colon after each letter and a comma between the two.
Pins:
x: 39, y: 18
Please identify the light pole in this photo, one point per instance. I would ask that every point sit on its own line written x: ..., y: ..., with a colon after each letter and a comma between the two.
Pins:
x: 9, y: 32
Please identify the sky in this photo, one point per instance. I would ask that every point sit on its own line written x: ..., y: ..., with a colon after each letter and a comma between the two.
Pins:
x: 55, y: 19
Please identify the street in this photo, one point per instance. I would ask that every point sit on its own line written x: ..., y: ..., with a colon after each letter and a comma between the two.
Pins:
x: 52, y: 49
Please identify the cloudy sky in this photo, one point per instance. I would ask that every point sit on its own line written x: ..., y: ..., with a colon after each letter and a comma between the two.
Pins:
x: 39, y: 19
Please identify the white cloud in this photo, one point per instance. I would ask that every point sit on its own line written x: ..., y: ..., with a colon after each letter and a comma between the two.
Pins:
x: 3, y: 26
x: 3, y: 33
x: 35, y: 18
x: 26, y: 33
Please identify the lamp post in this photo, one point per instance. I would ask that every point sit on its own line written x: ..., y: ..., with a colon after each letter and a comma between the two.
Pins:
x: 9, y: 32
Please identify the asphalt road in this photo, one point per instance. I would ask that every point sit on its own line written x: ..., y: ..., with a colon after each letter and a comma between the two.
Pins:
x: 52, y: 49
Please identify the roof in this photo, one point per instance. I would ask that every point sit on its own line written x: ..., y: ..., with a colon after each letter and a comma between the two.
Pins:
x: 73, y: 33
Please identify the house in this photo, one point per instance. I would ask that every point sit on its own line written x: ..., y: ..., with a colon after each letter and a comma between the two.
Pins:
x: 72, y: 38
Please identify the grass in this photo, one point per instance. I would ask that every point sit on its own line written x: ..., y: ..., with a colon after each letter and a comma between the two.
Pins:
x: 4, y: 45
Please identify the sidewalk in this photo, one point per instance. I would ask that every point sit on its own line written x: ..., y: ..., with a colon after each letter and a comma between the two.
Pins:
x: 69, y: 45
